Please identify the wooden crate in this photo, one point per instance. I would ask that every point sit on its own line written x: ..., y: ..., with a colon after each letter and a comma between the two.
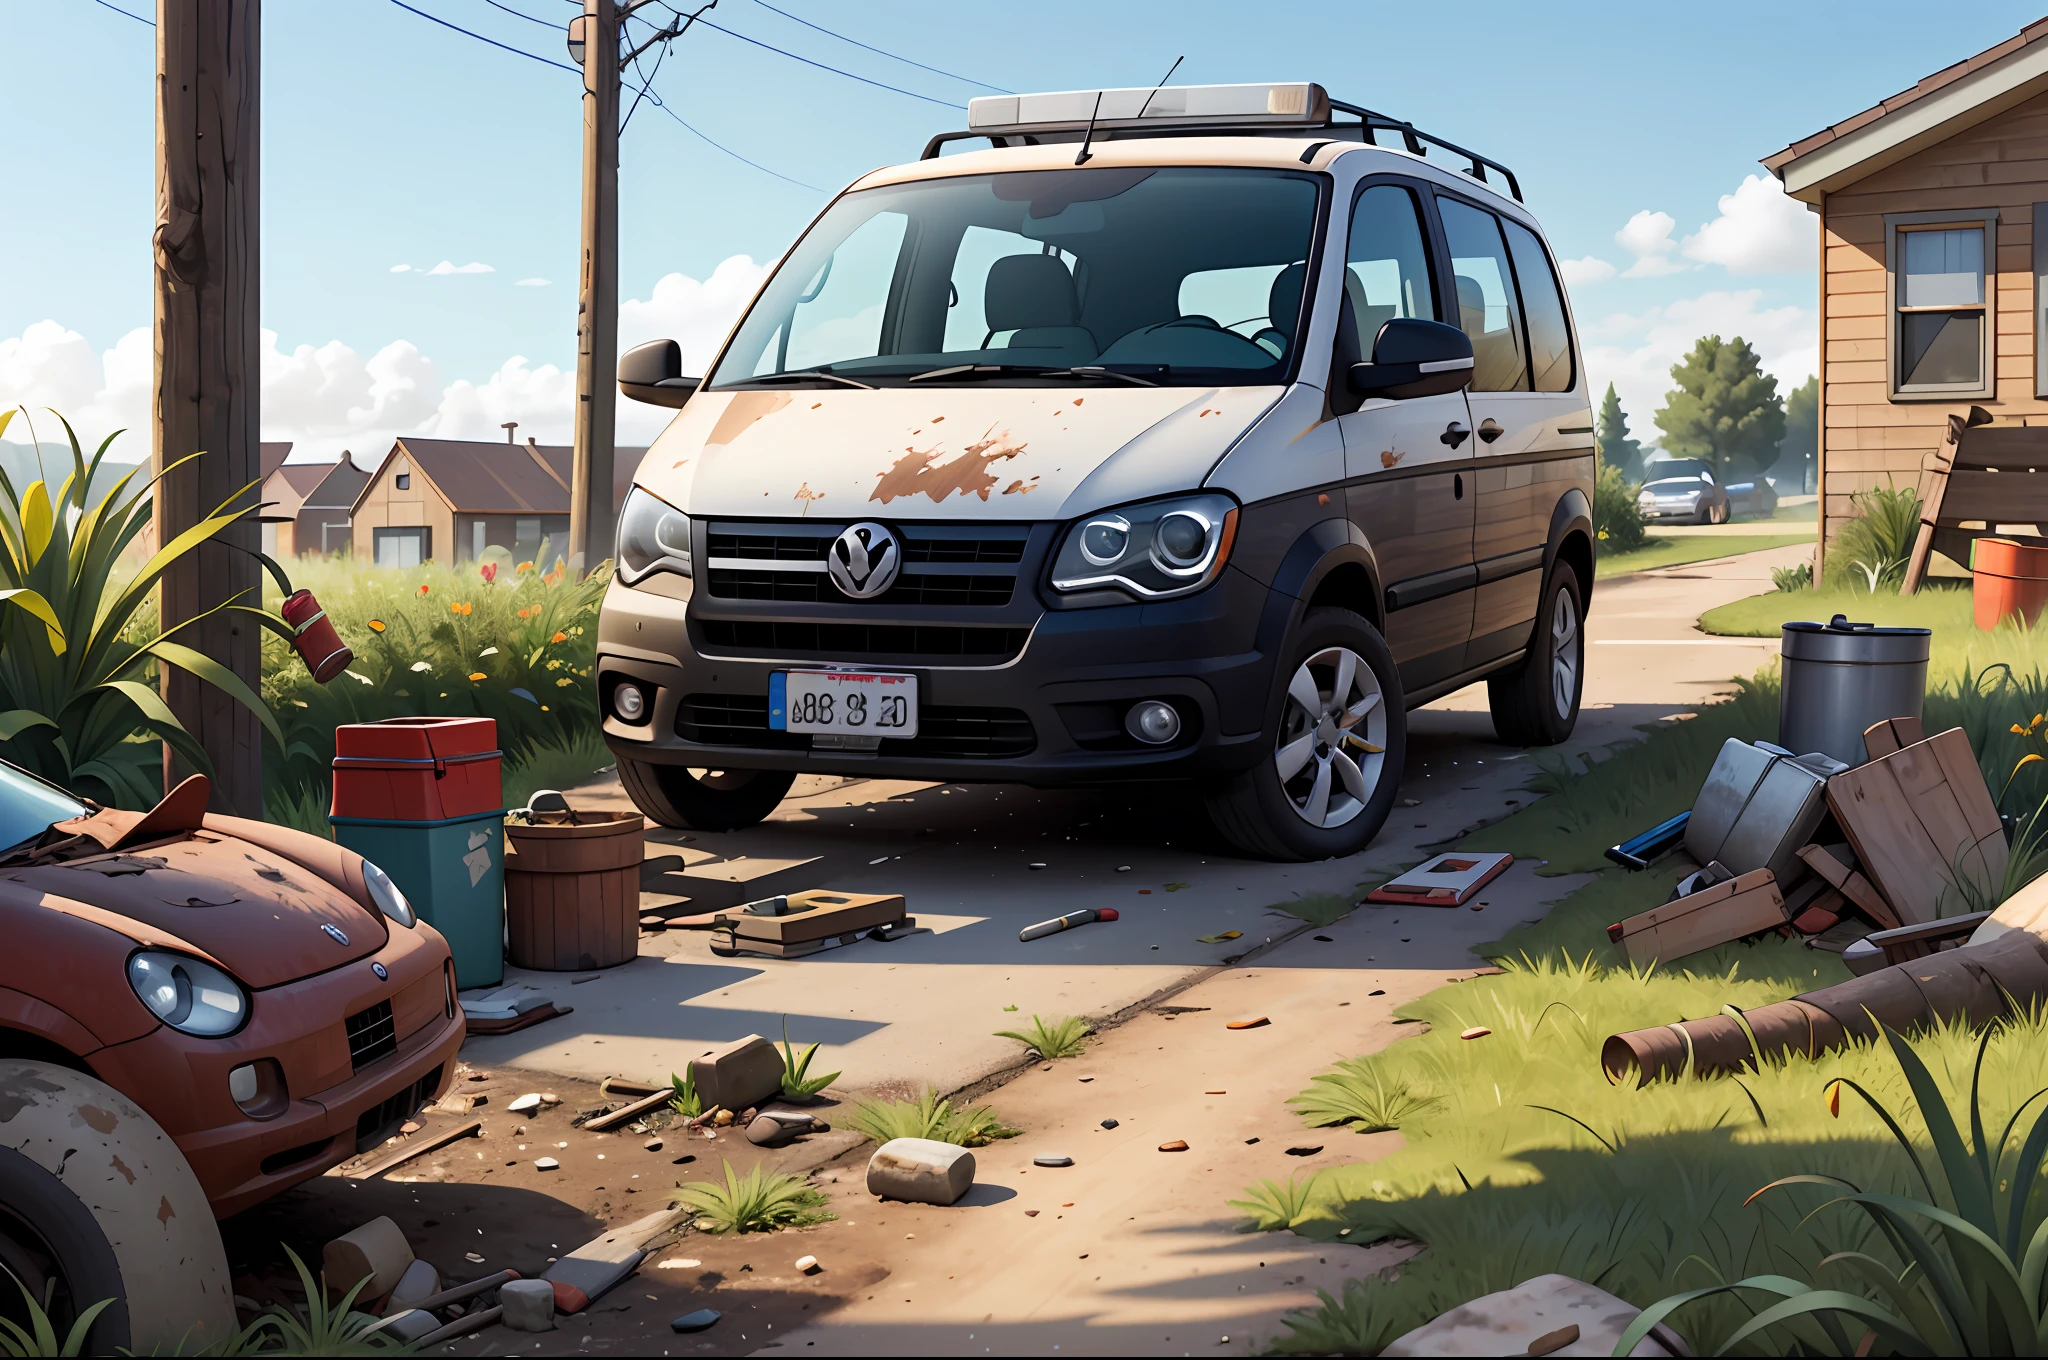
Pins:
x: 1918, y: 817
x: 1729, y: 910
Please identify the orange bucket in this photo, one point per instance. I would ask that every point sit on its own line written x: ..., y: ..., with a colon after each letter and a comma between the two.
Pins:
x: 2008, y: 580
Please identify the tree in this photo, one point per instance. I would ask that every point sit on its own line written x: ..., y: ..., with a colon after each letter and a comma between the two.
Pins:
x: 1801, y: 444
x: 1617, y: 450
x: 1725, y: 407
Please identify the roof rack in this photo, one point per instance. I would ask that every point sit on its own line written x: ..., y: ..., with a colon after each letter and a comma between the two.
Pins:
x: 1029, y: 120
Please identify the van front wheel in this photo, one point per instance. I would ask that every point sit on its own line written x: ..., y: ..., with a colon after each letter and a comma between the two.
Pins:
x: 703, y: 800
x: 1337, y: 735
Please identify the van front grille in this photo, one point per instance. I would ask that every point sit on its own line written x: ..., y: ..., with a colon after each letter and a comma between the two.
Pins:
x: 786, y: 562
x: 908, y: 643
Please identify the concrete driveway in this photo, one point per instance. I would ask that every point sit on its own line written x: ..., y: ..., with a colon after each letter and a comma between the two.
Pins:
x: 895, y: 1016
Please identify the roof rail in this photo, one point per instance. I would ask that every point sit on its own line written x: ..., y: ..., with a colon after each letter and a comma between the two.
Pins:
x: 1414, y: 137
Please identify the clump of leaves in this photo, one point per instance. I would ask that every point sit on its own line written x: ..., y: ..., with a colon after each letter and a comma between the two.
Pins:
x: 929, y: 1116
x: 796, y: 1066
x: 685, y: 1102
x: 760, y: 1201
x: 1360, y: 1323
x: 1062, y: 1038
x: 1353, y: 1093
x: 1272, y: 1206
x: 40, y: 1336
x: 1793, y: 578
x: 317, y: 1328
x: 1319, y: 909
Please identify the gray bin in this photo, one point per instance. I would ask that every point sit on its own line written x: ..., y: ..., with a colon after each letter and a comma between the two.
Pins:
x: 1841, y: 677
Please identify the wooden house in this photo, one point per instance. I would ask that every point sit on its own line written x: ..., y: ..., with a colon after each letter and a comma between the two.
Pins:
x: 451, y: 500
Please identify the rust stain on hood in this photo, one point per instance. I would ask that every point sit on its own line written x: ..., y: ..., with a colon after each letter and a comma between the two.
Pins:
x: 968, y: 474
x: 742, y: 411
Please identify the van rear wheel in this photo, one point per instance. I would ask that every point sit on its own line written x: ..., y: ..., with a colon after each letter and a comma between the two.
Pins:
x: 1537, y: 703
x: 703, y: 799
x: 1337, y: 735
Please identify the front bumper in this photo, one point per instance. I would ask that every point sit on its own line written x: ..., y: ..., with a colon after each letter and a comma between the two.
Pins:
x: 336, y: 1103
x: 1050, y: 716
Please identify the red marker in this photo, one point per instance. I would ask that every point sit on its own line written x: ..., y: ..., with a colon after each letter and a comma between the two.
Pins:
x: 1059, y: 923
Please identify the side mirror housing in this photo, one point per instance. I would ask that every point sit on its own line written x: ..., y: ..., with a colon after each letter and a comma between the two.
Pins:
x: 653, y: 373
x: 1414, y: 358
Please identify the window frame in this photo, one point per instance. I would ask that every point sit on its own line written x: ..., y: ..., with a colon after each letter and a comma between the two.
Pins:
x: 1571, y: 337
x: 1513, y: 281
x: 1419, y: 194
x: 1895, y: 227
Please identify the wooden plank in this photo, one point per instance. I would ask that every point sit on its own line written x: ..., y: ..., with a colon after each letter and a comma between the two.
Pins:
x: 1850, y: 883
x: 1729, y: 910
x: 1880, y: 739
x: 1915, y: 816
x: 418, y: 1148
x: 644, y: 1105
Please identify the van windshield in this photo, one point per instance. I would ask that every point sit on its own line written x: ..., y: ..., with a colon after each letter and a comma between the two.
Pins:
x: 1180, y: 275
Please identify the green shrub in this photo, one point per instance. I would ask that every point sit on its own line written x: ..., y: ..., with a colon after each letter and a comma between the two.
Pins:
x: 1353, y: 1093
x: 1789, y: 579
x: 796, y: 1067
x: 760, y: 1201
x: 928, y: 1117
x: 1871, y: 550
x: 1617, y: 519
x: 1063, y: 1038
x: 1271, y: 1206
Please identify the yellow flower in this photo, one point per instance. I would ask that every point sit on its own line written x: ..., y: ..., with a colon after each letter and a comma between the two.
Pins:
x: 565, y: 680
x: 478, y: 675
x: 559, y: 637
x: 377, y: 626
x: 462, y: 607
x: 524, y: 566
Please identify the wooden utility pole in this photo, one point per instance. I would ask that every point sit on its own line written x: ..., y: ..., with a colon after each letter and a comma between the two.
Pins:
x: 592, y: 518
x: 208, y: 59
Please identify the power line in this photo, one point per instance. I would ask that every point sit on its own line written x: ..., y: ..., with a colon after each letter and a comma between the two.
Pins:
x: 521, y: 14
x: 520, y: 51
x: 118, y: 10
x: 780, y: 52
x: 656, y: 100
x: 876, y: 50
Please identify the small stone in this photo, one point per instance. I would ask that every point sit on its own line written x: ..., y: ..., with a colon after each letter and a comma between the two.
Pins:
x: 529, y: 1305
x: 409, y: 1126
x: 1036, y: 866
x: 1031, y: 1213
x: 1304, y: 1151
x: 1109, y: 1123
x: 1325, y: 939
x: 807, y: 1265
x: 679, y: 1263
x: 1089, y: 1077
x: 652, y: 1145
x: 550, y: 1099
x: 1381, y: 992
x: 723, y: 1119
x: 1123, y: 868
x: 479, y: 1076
x: 920, y: 1170
x: 1046, y: 1067
x: 1249, y: 1141
x: 1052, y: 1159
x: 1177, y: 1145
x: 561, y: 1145
x: 706, y: 1225
x: 525, y: 1104
x: 1253, y: 1023
x: 472, y: 1257
x: 546, y: 1164
x: 698, y: 1321
x: 1476, y: 1032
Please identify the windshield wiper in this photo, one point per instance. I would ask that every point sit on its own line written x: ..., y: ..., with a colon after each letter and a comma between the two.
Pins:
x: 973, y: 372
x: 803, y: 375
x: 1098, y: 371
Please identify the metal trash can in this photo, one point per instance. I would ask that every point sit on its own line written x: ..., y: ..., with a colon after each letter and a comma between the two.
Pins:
x: 423, y: 799
x: 1841, y: 677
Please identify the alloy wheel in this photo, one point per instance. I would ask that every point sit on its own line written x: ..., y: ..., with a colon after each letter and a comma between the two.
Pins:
x: 1332, y: 740
x: 1564, y: 653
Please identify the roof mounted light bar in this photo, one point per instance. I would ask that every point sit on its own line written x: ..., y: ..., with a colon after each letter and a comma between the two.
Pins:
x: 1027, y: 119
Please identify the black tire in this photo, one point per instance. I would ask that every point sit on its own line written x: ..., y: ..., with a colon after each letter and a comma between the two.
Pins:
x: 1257, y: 810
x: 49, y: 1240
x: 718, y: 800
x: 1534, y: 704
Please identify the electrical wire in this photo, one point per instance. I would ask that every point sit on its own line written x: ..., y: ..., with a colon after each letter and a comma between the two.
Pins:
x: 118, y: 10
x: 520, y: 51
x: 521, y: 14
x: 655, y: 99
x: 781, y: 52
x: 970, y: 80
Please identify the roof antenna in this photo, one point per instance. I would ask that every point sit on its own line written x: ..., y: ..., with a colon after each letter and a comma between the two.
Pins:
x: 1085, y: 154
x: 1162, y: 84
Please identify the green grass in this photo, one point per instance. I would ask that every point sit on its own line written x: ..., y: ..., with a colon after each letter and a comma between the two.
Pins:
x: 929, y: 1116
x: 760, y: 1201
x: 1678, y: 549
x: 1061, y: 1038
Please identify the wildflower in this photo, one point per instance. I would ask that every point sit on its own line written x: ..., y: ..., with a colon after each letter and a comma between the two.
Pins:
x: 462, y: 607
x: 489, y: 571
x: 559, y: 637
x: 478, y: 675
x: 421, y: 666
x: 523, y: 567
x: 565, y: 680
x: 423, y: 587
x: 377, y: 626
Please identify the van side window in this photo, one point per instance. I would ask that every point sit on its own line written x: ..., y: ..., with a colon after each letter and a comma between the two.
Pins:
x: 1386, y: 265
x: 1487, y: 308
x: 1550, y: 341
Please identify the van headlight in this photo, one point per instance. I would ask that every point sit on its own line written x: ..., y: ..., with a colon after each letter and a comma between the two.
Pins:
x: 1153, y: 551
x: 189, y: 996
x: 386, y: 895
x: 653, y: 536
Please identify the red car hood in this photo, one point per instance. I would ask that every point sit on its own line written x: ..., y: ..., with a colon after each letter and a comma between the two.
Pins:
x: 266, y: 917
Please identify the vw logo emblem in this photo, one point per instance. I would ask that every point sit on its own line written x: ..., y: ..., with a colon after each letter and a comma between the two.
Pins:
x: 333, y: 932
x: 383, y: 973
x: 863, y: 560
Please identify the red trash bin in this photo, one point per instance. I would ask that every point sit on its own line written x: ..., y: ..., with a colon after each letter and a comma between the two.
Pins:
x: 418, y: 769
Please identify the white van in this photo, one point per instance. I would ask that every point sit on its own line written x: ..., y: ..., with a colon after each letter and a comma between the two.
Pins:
x: 1180, y: 434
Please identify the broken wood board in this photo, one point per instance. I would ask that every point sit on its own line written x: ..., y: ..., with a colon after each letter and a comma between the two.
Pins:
x: 1850, y: 884
x: 1880, y: 739
x: 1745, y: 905
x: 418, y: 1148
x: 1918, y: 817
x: 647, y: 1104
x: 518, y: 1022
x: 814, y: 915
x: 1448, y: 880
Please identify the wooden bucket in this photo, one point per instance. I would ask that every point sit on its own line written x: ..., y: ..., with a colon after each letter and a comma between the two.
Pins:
x: 572, y: 891
x: 2008, y: 580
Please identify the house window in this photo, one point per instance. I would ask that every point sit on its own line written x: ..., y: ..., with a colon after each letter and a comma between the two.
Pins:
x: 401, y: 547
x: 1941, y: 280
x: 405, y: 481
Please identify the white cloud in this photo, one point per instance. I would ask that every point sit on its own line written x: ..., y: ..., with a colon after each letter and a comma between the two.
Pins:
x: 449, y: 267
x: 401, y: 269
x: 695, y: 315
x: 1647, y: 236
x: 1759, y: 231
x: 1636, y: 353
x: 531, y: 283
x: 1591, y: 269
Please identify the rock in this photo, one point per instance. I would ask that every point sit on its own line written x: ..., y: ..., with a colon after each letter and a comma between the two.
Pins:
x: 409, y: 1126
x: 1476, y: 1032
x: 807, y: 1264
x: 1177, y: 1145
x: 1052, y: 1159
x: 1538, y: 1310
x: 1109, y: 1123
x: 529, y: 1305
x: 920, y: 1170
x: 550, y: 1098
x: 778, y: 1127
x: 411, y: 1325
x: 525, y: 1104
x: 546, y: 1164
x: 723, y: 1118
x: 377, y: 1251
x: 420, y: 1281
x: 1254, y: 1023
x: 741, y: 1074
x: 652, y: 1145
x: 698, y: 1321
x: 1089, y: 1077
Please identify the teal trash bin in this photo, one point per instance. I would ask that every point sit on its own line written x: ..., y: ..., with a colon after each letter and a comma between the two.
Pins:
x: 453, y: 873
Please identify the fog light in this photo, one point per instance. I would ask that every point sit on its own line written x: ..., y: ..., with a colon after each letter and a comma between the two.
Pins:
x: 630, y: 703
x: 1153, y: 722
x: 258, y: 1088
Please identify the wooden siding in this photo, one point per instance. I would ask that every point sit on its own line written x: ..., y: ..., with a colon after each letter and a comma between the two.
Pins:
x: 384, y: 506
x: 1867, y: 438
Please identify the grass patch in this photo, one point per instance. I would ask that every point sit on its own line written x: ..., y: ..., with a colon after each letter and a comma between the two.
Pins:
x: 1679, y: 549
x: 1062, y: 1038
x: 796, y: 1067
x: 1319, y: 909
x: 1354, y: 1095
x: 929, y: 1116
x: 760, y: 1201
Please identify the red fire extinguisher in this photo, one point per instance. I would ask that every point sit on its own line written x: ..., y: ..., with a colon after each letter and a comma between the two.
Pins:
x: 313, y: 636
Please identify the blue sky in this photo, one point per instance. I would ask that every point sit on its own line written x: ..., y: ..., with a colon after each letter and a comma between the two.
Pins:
x: 390, y: 140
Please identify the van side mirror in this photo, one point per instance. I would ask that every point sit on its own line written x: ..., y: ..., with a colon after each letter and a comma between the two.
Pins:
x: 1414, y: 358
x: 653, y: 373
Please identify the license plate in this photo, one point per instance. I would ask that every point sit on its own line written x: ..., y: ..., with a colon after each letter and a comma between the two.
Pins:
x: 843, y: 703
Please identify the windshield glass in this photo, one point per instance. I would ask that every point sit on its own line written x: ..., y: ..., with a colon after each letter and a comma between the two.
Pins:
x: 28, y: 806
x: 1666, y: 468
x: 1181, y: 274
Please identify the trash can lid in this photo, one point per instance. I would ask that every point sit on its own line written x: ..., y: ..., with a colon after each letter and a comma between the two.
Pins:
x: 1840, y: 640
x: 417, y: 738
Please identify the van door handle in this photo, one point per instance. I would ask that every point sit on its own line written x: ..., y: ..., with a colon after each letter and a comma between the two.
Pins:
x: 1454, y: 434
x: 1490, y: 430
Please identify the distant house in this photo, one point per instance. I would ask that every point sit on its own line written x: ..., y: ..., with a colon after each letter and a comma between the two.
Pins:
x: 1934, y: 265
x: 323, y: 519
x: 284, y: 493
x: 453, y: 499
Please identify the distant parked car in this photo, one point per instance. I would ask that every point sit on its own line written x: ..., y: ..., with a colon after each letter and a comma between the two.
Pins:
x: 1756, y: 496
x: 1683, y: 488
